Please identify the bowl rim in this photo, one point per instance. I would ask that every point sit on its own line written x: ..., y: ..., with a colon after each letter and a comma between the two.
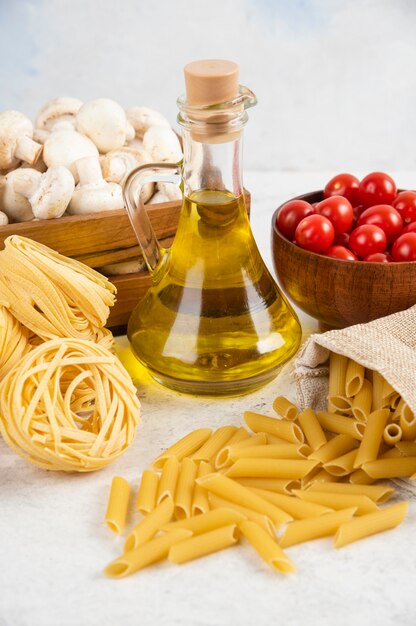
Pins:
x: 303, y: 196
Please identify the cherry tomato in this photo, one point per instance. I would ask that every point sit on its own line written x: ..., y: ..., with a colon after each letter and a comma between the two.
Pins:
x: 376, y: 188
x: 367, y: 239
x: 343, y: 185
x: 339, y: 212
x: 384, y: 216
x: 314, y: 233
x: 405, y: 204
x: 404, y: 248
x: 410, y: 228
x: 378, y: 257
x: 340, y: 252
x: 291, y: 214
x: 342, y: 239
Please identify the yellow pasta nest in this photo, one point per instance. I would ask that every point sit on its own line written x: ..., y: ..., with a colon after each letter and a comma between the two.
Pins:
x: 69, y: 405
x: 14, y: 341
x: 51, y: 295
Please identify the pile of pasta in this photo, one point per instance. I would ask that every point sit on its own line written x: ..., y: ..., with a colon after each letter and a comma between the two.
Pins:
x: 66, y: 402
x: 286, y: 480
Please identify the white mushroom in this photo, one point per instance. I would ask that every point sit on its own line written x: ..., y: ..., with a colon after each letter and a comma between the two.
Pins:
x: 130, y: 132
x: 64, y: 147
x: 16, y: 206
x: 3, y: 219
x: 16, y: 143
x: 40, y: 165
x: 142, y: 118
x: 123, y: 267
x: 58, y: 113
x: 162, y: 144
x: 48, y: 195
x: 41, y: 135
x: 158, y: 197
x: 135, y: 143
x: 104, y: 122
x: 94, y: 194
x: 171, y: 192
x: 117, y: 165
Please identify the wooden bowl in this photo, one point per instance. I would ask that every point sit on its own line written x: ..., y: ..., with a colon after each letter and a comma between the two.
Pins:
x: 340, y: 293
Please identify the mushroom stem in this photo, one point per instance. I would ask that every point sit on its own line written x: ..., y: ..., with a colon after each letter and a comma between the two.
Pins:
x: 89, y: 171
x: 27, y: 150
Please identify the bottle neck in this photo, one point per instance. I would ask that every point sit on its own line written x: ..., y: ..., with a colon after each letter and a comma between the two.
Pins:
x: 216, y: 166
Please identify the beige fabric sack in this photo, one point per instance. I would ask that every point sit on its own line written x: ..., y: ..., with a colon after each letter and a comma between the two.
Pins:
x: 387, y: 345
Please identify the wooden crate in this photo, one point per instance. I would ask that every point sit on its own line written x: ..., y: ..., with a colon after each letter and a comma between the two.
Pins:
x: 103, y: 238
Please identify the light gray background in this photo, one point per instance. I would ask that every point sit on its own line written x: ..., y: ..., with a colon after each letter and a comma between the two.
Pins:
x: 335, y: 78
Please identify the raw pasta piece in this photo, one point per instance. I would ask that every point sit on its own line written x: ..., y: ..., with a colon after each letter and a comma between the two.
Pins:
x: 272, y: 439
x: 378, y: 384
x: 399, y: 410
x: 377, y: 493
x: 285, y: 408
x: 334, y: 448
x: 266, y: 547
x: 278, y: 485
x: 392, y: 434
x: 208, y: 521
x: 337, y: 375
x: 200, y: 503
x: 185, y: 488
x: 146, y: 498
x: 118, y: 504
x: 372, y: 437
x: 360, y: 477
x: 354, y: 378
x: 201, y: 545
x: 223, y: 457
x: 312, y: 429
x: 338, y: 501
x: 14, y: 341
x: 271, y: 468
x: 273, y: 451
x: 406, y: 448
x: 150, y: 525
x: 293, y: 506
x: 361, y: 403
x: 370, y: 524
x: 391, y: 468
x: 146, y: 554
x: 260, y: 519
x: 387, y: 394
x: 168, y: 480
x: 184, y: 447
x: 214, y: 444
x: 282, y: 428
x: 314, y: 527
x: 322, y: 476
x: 341, y: 424
x: 342, y: 465
x: 408, y: 424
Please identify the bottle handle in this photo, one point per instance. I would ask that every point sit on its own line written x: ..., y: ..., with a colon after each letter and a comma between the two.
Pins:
x: 140, y: 176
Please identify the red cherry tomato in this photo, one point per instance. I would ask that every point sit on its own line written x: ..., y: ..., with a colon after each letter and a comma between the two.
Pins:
x: 384, y: 216
x: 376, y: 188
x: 378, y: 257
x: 410, y: 228
x: 339, y: 212
x: 367, y: 239
x: 404, y: 248
x: 290, y: 215
x: 342, y: 239
x: 343, y: 185
x: 405, y: 204
x: 314, y: 233
x: 340, y: 252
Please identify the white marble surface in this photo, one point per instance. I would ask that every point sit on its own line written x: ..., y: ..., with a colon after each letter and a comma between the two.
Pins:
x: 53, y: 543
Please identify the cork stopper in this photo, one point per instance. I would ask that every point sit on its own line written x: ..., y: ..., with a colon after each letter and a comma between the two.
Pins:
x: 211, y: 81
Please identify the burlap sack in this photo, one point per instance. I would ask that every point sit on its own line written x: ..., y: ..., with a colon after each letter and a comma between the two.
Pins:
x: 387, y: 345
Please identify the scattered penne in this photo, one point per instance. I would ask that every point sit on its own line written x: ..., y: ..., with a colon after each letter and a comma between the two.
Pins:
x: 149, y: 525
x: 372, y: 437
x: 271, y: 468
x: 260, y: 519
x: 200, y: 524
x: 377, y: 493
x: 118, y: 504
x: 340, y: 424
x: 354, y: 378
x: 337, y: 374
x: 391, y: 468
x: 278, y: 485
x: 370, y: 524
x: 201, y: 545
x: 168, y: 479
x: 314, y: 527
x: 361, y: 404
x: 392, y: 434
x: 272, y: 451
x: 338, y: 501
x: 184, y: 447
x: 342, y: 465
x: 266, y: 547
x: 223, y: 457
x: 312, y: 429
x: 214, y: 444
x: 146, y: 498
x: 200, y: 502
x: 285, y: 408
x: 360, y: 477
x: 282, y: 428
x: 341, y: 444
x: 293, y: 506
x: 185, y: 488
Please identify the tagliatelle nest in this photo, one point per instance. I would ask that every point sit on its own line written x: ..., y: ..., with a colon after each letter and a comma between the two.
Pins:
x: 51, y: 295
x: 69, y: 405
x: 14, y: 341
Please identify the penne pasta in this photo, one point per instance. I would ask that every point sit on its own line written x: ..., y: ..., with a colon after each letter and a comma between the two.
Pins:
x: 293, y: 506
x: 372, y: 437
x: 184, y: 447
x: 408, y: 424
x: 354, y: 378
x: 340, y: 404
x: 200, y: 502
x: 146, y: 554
x: 185, y: 488
x: 149, y: 525
x: 337, y: 375
x: 260, y: 519
x: 360, y: 477
x: 391, y: 453
x: 334, y: 448
x: 266, y: 547
x: 394, y: 401
x: 280, y: 427
x: 378, y: 384
x: 223, y: 457
x: 214, y: 444
x: 285, y: 408
x: 338, y: 501
x: 201, y: 545
x: 278, y: 485
x: 271, y: 468
x: 370, y: 524
x: 200, y: 524
x: 168, y: 479
x: 312, y: 429
x: 361, y: 403
x: 377, y: 493
x: 392, y: 434
x: 387, y: 393
x: 399, y: 410
x: 272, y: 439
x: 314, y: 527
x: 146, y: 498
x: 342, y: 465
x: 406, y: 448
x: 341, y: 424
x: 391, y: 468
x: 229, y: 489
x: 118, y: 504
x: 322, y: 476
x: 273, y: 451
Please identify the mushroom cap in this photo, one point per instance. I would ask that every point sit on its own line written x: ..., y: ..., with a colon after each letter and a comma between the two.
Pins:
x: 3, y: 219
x: 142, y: 118
x: 57, y: 110
x: 16, y: 206
x: 95, y: 197
x: 117, y: 164
x: 64, y: 147
x: 13, y: 126
x: 53, y: 194
x: 104, y: 122
x: 170, y: 191
x: 162, y: 144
